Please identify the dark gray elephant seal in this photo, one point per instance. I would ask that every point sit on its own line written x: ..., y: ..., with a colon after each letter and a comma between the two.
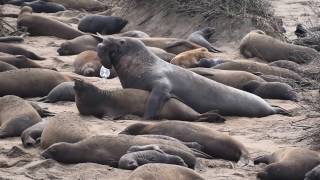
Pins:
x: 314, y: 174
x: 258, y: 44
x: 16, y: 115
x: 134, y: 33
x: 16, y: 50
x: 163, y: 171
x: 31, y: 136
x: 30, y: 82
x: 289, y: 163
x: 216, y: 144
x: 91, y: 100
x: 93, y: 23
x: 11, y: 39
x: 108, y: 150
x: 295, y: 67
x: 139, y: 68
x: 43, y: 6
x: 35, y: 24
x: 6, y: 67
x: 201, y: 38
x: 21, y: 61
x: 271, y: 90
x: 62, y: 92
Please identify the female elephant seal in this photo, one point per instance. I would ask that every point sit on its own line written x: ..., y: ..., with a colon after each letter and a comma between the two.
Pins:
x: 31, y: 136
x: 16, y: 50
x: 21, y: 61
x: 101, y: 24
x: 139, y: 68
x: 89, y: 5
x: 201, y: 38
x: 16, y: 115
x: 62, y: 92
x: 190, y: 59
x: 163, y: 171
x: 289, y: 163
x: 91, y: 100
x: 78, y: 45
x: 6, y: 67
x: 258, y: 44
x: 35, y: 24
x: 134, y: 33
x: 30, y: 82
x: 295, y: 67
x: 43, y: 6
x: 87, y: 63
x: 214, y: 143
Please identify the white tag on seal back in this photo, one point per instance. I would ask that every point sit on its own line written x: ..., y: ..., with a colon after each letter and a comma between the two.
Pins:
x: 104, y: 72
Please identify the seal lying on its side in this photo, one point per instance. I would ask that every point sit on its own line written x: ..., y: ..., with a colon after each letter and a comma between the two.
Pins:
x: 6, y: 67
x: 91, y: 100
x: 190, y: 59
x: 201, y: 38
x: 31, y: 136
x: 20, y: 61
x: 43, y: 6
x: 62, y: 92
x: 93, y: 23
x: 139, y: 68
x: 88, y: 64
x: 16, y: 50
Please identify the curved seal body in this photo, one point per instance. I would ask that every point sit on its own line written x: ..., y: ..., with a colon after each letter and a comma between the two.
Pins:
x: 6, y: 67
x: 134, y: 33
x: 78, y: 45
x: 62, y: 92
x: 140, y: 69
x: 20, y: 61
x: 87, y: 63
x: 314, y: 174
x: 295, y: 67
x: 201, y: 38
x: 46, y: 7
x: 190, y: 59
x: 16, y: 50
x: 89, y: 5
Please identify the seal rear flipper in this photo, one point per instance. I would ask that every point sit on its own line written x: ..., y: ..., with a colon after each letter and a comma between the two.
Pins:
x: 245, y: 161
x: 201, y: 154
x: 214, y: 50
x: 43, y: 112
x: 45, y: 99
x: 280, y: 110
x: 211, y: 116
x: 262, y: 159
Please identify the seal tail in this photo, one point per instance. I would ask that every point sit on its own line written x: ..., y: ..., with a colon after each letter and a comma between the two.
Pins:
x: 211, y: 116
x: 280, y: 110
x: 201, y: 154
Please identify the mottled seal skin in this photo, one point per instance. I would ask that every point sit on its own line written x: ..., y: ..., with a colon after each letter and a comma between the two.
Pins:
x: 216, y: 144
x: 190, y: 59
x: 271, y: 90
x: 201, y: 38
x: 16, y: 115
x: 295, y: 67
x: 78, y: 45
x: 62, y: 92
x: 108, y: 150
x: 101, y: 24
x: 163, y: 171
x: 31, y: 136
x: 314, y: 174
x: 134, y: 33
x: 16, y: 50
x: 64, y: 127
x: 236, y: 79
x: 91, y: 100
x: 21, y: 61
x: 88, y: 64
x: 258, y: 44
x: 139, y: 68
x: 35, y: 24
x: 6, y: 67
x: 289, y: 163
x: 43, y: 6
x: 30, y: 82
x: 256, y: 67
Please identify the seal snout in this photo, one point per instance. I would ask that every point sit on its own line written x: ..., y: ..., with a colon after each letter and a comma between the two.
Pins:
x: 46, y: 154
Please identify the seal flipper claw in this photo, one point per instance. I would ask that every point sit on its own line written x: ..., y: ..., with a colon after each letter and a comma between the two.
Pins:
x: 211, y: 116
x: 201, y: 154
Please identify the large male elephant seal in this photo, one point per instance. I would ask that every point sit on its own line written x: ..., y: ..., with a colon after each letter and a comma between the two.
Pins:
x: 30, y: 82
x: 258, y: 44
x: 40, y: 6
x: 190, y: 59
x: 214, y: 143
x: 139, y: 68
x: 201, y: 38
x: 87, y: 63
x: 16, y: 50
x: 62, y: 92
x: 93, y: 23
x: 16, y: 115
x: 163, y: 171
x: 6, y: 67
x: 20, y: 62
x: 35, y: 25
x: 314, y: 174
x: 91, y: 100
x: 289, y: 163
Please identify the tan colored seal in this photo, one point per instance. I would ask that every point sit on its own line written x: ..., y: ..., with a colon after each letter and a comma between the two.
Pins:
x: 190, y: 59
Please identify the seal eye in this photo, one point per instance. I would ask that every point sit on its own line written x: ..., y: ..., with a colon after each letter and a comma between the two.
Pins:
x: 122, y: 42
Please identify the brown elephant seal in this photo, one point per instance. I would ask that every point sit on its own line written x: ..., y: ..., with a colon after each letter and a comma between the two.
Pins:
x: 107, y: 25
x: 162, y: 54
x: 289, y: 163
x: 134, y: 33
x: 108, y: 150
x: 89, y: 5
x: 78, y: 45
x: 30, y: 137
x: 21, y: 61
x: 16, y: 50
x: 88, y: 64
x: 290, y: 82
x: 258, y: 44
x: 64, y: 127
x: 254, y: 67
x: 163, y: 171
x: 30, y: 82
x: 139, y: 68
x: 35, y: 24
x: 295, y: 67
x: 16, y: 115
x: 236, y: 79
x: 190, y: 59
x: 201, y: 38
x: 271, y: 90
x: 314, y: 174
x: 91, y: 100
x: 215, y: 144
x: 6, y: 67
x: 62, y: 92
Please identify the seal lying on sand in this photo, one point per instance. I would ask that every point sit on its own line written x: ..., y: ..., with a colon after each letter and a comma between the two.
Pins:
x: 91, y: 100
x: 89, y: 5
x: 93, y: 23
x: 139, y: 68
x: 62, y: 92
x: 30, y: 137
x: 190, y: 59
x: 20, y: 61
x: 134, y: 33
x: 6, y: 67
x: 16, y: 50
x: 46, y: 7
x: 289, y: 163
x: 201, y: 38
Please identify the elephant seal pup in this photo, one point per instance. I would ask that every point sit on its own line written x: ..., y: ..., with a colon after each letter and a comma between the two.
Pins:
x: 108, y: 150
x: 16, y: 115
x: 190, y: 59
x: 289, y: 163
x: 216, y: 144
x: 30, y: 82
x: 16, y: 50
x: 31, y: 136
x: 64, y: 127
x: 135, y: 34
x: 62, y: 92
x: 101, y: 24
x: 314, y: 174
x: 46, y: 7
x: 236, y: 79
x: 21, y: 61
x: 201, y: 38
x: 6, y: 67
x: 91, y: 100
x: 35, y: 24
x: 258, y: 44
x: 271, y: 90
x: 88, y: 64
x: 256, y: 67
x: 295, y: 67
x: 78, y: 45
x: 163, y: 171
x: 139, y: 68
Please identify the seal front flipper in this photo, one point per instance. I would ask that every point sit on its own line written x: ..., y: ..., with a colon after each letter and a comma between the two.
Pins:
x: 211, y: 116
